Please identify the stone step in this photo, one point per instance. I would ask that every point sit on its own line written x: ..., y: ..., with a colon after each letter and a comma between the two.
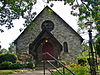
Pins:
x: 40, y: 65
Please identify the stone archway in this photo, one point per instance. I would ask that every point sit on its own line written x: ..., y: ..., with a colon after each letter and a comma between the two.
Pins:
x: 45, y: 42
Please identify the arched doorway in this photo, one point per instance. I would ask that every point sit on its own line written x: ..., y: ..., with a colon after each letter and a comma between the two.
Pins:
x: 47, y: 47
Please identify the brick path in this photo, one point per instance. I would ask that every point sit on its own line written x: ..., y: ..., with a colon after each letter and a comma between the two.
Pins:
x: 33, y: 73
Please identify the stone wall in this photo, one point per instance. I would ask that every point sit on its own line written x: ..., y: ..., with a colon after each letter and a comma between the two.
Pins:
x: 62, y: 32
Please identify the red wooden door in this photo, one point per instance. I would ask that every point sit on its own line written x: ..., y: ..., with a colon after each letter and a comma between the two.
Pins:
x: 47, y: 47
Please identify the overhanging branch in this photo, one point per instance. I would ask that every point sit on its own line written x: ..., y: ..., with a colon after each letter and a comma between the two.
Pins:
x: 4, y: 4
x: 87, y: 6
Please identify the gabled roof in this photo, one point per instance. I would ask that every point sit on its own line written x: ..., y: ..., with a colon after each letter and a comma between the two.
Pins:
x: 59, y: 17
x: 40, y: 39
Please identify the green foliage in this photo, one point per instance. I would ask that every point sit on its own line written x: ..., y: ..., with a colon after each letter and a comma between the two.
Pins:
x: 12, y: 48
x: 3, y: 51
x: 69, y: 1
x: 97, y: 45
x: 14, y: 9
x: 49, y: 11
x: 16, y: 66
x: 31, y: 26
x: 88, y: 10
x: 81, y: 70
x: 5, y: 65
x: 30, y: 65
x: 9, y: 65
x: 78, y: 70
x: 6, y: 72
x: 8, y: 57
x: 63, y: 62
x: 82, y: 61
x: 85, y: 49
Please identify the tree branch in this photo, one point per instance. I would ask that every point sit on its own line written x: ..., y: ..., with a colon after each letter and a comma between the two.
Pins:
x: 87, y: 6
x: 77, y: 2
x: 4, y: 4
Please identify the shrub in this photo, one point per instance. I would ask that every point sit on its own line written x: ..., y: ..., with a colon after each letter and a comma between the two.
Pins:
x: 9, y: 65
x: 77, y: 70
x: 63, y: 62
x: 30, y: 65
x: 5, y: 65
x: 82, y: 61
x: 8, y: 57
x: 16, y: 66
x: 81, y: 70
x: 73, y: 65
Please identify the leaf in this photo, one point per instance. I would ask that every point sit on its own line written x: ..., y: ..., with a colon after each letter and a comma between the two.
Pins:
x: 87, y: 13
x: 69, y: 1
x: 97, y: 36
x: 82, y: 18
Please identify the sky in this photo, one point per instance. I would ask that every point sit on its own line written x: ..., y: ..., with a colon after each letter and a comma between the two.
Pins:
x: 8, y: 36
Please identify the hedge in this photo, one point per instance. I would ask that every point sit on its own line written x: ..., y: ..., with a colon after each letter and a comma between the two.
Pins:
x: 9, y: 65
x: 8, y: 57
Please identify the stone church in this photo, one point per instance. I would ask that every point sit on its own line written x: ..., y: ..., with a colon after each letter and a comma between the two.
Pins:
x: 49, y: 33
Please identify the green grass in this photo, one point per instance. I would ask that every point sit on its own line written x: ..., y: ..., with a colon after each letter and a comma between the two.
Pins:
x: 6, y: 72
x: 16, y: 71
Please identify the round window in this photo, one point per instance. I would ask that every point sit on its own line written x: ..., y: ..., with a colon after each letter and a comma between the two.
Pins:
x: 48, y: 25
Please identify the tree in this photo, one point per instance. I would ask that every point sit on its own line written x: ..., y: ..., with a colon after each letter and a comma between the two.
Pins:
x: 3, y: 51
x: 12, y: 48
x: 14, y: 9
x: 85, y: 49
x: 97, y: 45
x: 85, y: 10
x: 88, y: 10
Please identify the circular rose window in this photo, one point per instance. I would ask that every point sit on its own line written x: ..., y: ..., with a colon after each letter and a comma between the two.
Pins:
x: 48, y: 25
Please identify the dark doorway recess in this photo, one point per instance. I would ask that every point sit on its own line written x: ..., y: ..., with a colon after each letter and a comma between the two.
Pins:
x: 47, y: 47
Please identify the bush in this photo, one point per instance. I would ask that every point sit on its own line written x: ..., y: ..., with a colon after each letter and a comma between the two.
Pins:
x: 63, y: 62
x: 16, y: 66
x: 82, y: 61
x: 5, y: 65
x: 77, y: 70
x: 8, y: 57
x: 30, y: 65
x: 9, y: 65
x: 80, y: 70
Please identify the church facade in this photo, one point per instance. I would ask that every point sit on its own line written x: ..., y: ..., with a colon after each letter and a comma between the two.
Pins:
x: 49, y: 33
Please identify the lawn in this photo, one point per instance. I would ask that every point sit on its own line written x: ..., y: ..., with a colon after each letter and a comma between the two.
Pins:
x: 7, y: 72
